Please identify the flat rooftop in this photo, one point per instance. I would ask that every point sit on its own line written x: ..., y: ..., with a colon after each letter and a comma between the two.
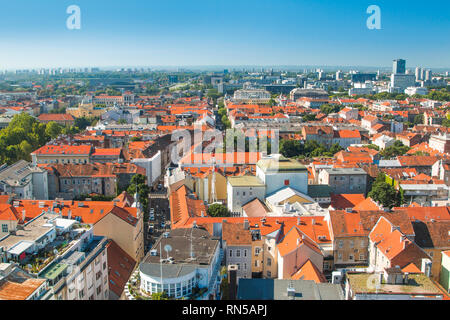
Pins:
x: 180, y: 242
x: 346, y: 171
x: 245, y: 181
x: 273, y: 165
x: 31, y: 232
x: 418, y: 284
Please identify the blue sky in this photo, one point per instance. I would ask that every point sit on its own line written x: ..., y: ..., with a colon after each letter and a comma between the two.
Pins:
x: 223, y: 32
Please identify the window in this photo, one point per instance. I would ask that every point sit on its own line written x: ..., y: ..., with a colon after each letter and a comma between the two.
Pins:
x: 4, y: 228
x: 269, y: 274
x: 269, y: 262
x: 239, y: 266
x: 361, y: 256
x: 341, y: 244
x: 99, y: 289
x: 104, y: 265
x: 231, y: 253
x: 238, y: 253
x: 350, y: 257
x: 245, y: 252
x: 339, y: 255
x: 352, y: 243
x: 245, y: 266
x: 243, y: 193
x: 257, y: 250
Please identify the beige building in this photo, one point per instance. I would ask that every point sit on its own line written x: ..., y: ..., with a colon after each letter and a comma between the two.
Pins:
x: 125, y: 229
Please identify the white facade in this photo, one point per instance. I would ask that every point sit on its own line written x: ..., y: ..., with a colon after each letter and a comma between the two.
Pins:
x: 384, y: 142
x: 152, y: 167
x: 240, y: 195
x: 297, y: 180
x: 410, y: 91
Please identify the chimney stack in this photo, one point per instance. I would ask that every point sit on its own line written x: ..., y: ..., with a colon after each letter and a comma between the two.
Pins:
x: 232, y: 281
x: 246, y: 224
x: 23, y: 215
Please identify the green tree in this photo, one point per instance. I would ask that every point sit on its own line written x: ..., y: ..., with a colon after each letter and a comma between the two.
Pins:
x: 218, y: 210
x: 418, y: 119
x: 160, y: 296
x: 291, y: 148
x: 309, y: 117
x: 139, y: 184
x: 328, y: 108
x: 384, y: 193
x: 397, y: 149
x: 53, y: 130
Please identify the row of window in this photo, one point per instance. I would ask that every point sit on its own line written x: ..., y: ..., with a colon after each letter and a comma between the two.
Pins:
x: 351, y: 257
x: 351, y: 243
x: 238, y: 253
x: 62, y: 161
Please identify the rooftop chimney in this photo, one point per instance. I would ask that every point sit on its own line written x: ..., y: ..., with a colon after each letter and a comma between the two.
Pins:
x: 246, y: 224
x: 232, y: 281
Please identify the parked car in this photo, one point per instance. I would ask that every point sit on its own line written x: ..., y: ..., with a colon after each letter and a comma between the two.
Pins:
x: 163, y: 225
x: 152, y: 216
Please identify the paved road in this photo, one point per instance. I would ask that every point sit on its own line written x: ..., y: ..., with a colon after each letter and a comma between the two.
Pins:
x: 159, y: 202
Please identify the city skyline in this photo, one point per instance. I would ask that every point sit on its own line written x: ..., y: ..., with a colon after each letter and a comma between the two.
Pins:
x: 230, y: 34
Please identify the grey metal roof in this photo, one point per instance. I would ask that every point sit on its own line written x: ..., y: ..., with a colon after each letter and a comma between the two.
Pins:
x: 169, y: 271
x: 276, y: 289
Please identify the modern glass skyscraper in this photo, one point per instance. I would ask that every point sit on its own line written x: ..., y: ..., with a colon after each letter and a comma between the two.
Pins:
x: 399, y: 66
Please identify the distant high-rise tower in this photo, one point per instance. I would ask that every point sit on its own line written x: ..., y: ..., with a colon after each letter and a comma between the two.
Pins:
x: 339, y: 75
x: 418, y: 73
x: 399, y: 66
x: 428, y: 75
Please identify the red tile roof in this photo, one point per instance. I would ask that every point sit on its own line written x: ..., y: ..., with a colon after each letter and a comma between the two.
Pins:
x: 309, y: 272
x: 64, y: 149
x: 120, y: 267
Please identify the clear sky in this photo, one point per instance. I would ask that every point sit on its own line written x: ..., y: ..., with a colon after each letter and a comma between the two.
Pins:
x: 223, y: 32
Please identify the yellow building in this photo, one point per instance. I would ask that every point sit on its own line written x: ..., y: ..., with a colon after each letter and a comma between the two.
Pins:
x: 86, y: 110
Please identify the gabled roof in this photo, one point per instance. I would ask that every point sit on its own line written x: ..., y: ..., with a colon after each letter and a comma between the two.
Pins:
x: 344, y: 201
x: 235, y: 235
x: 411, y: 268
x: 367, y: 205
x: 286, y: 193
x: 432, y: 233
x: 120, y: 267
x: 394, y: 245
x: 64, y: 149
x: 295, y: 238
x: 417, y: 161
x: 255, y: 208
x: 308, y: 271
